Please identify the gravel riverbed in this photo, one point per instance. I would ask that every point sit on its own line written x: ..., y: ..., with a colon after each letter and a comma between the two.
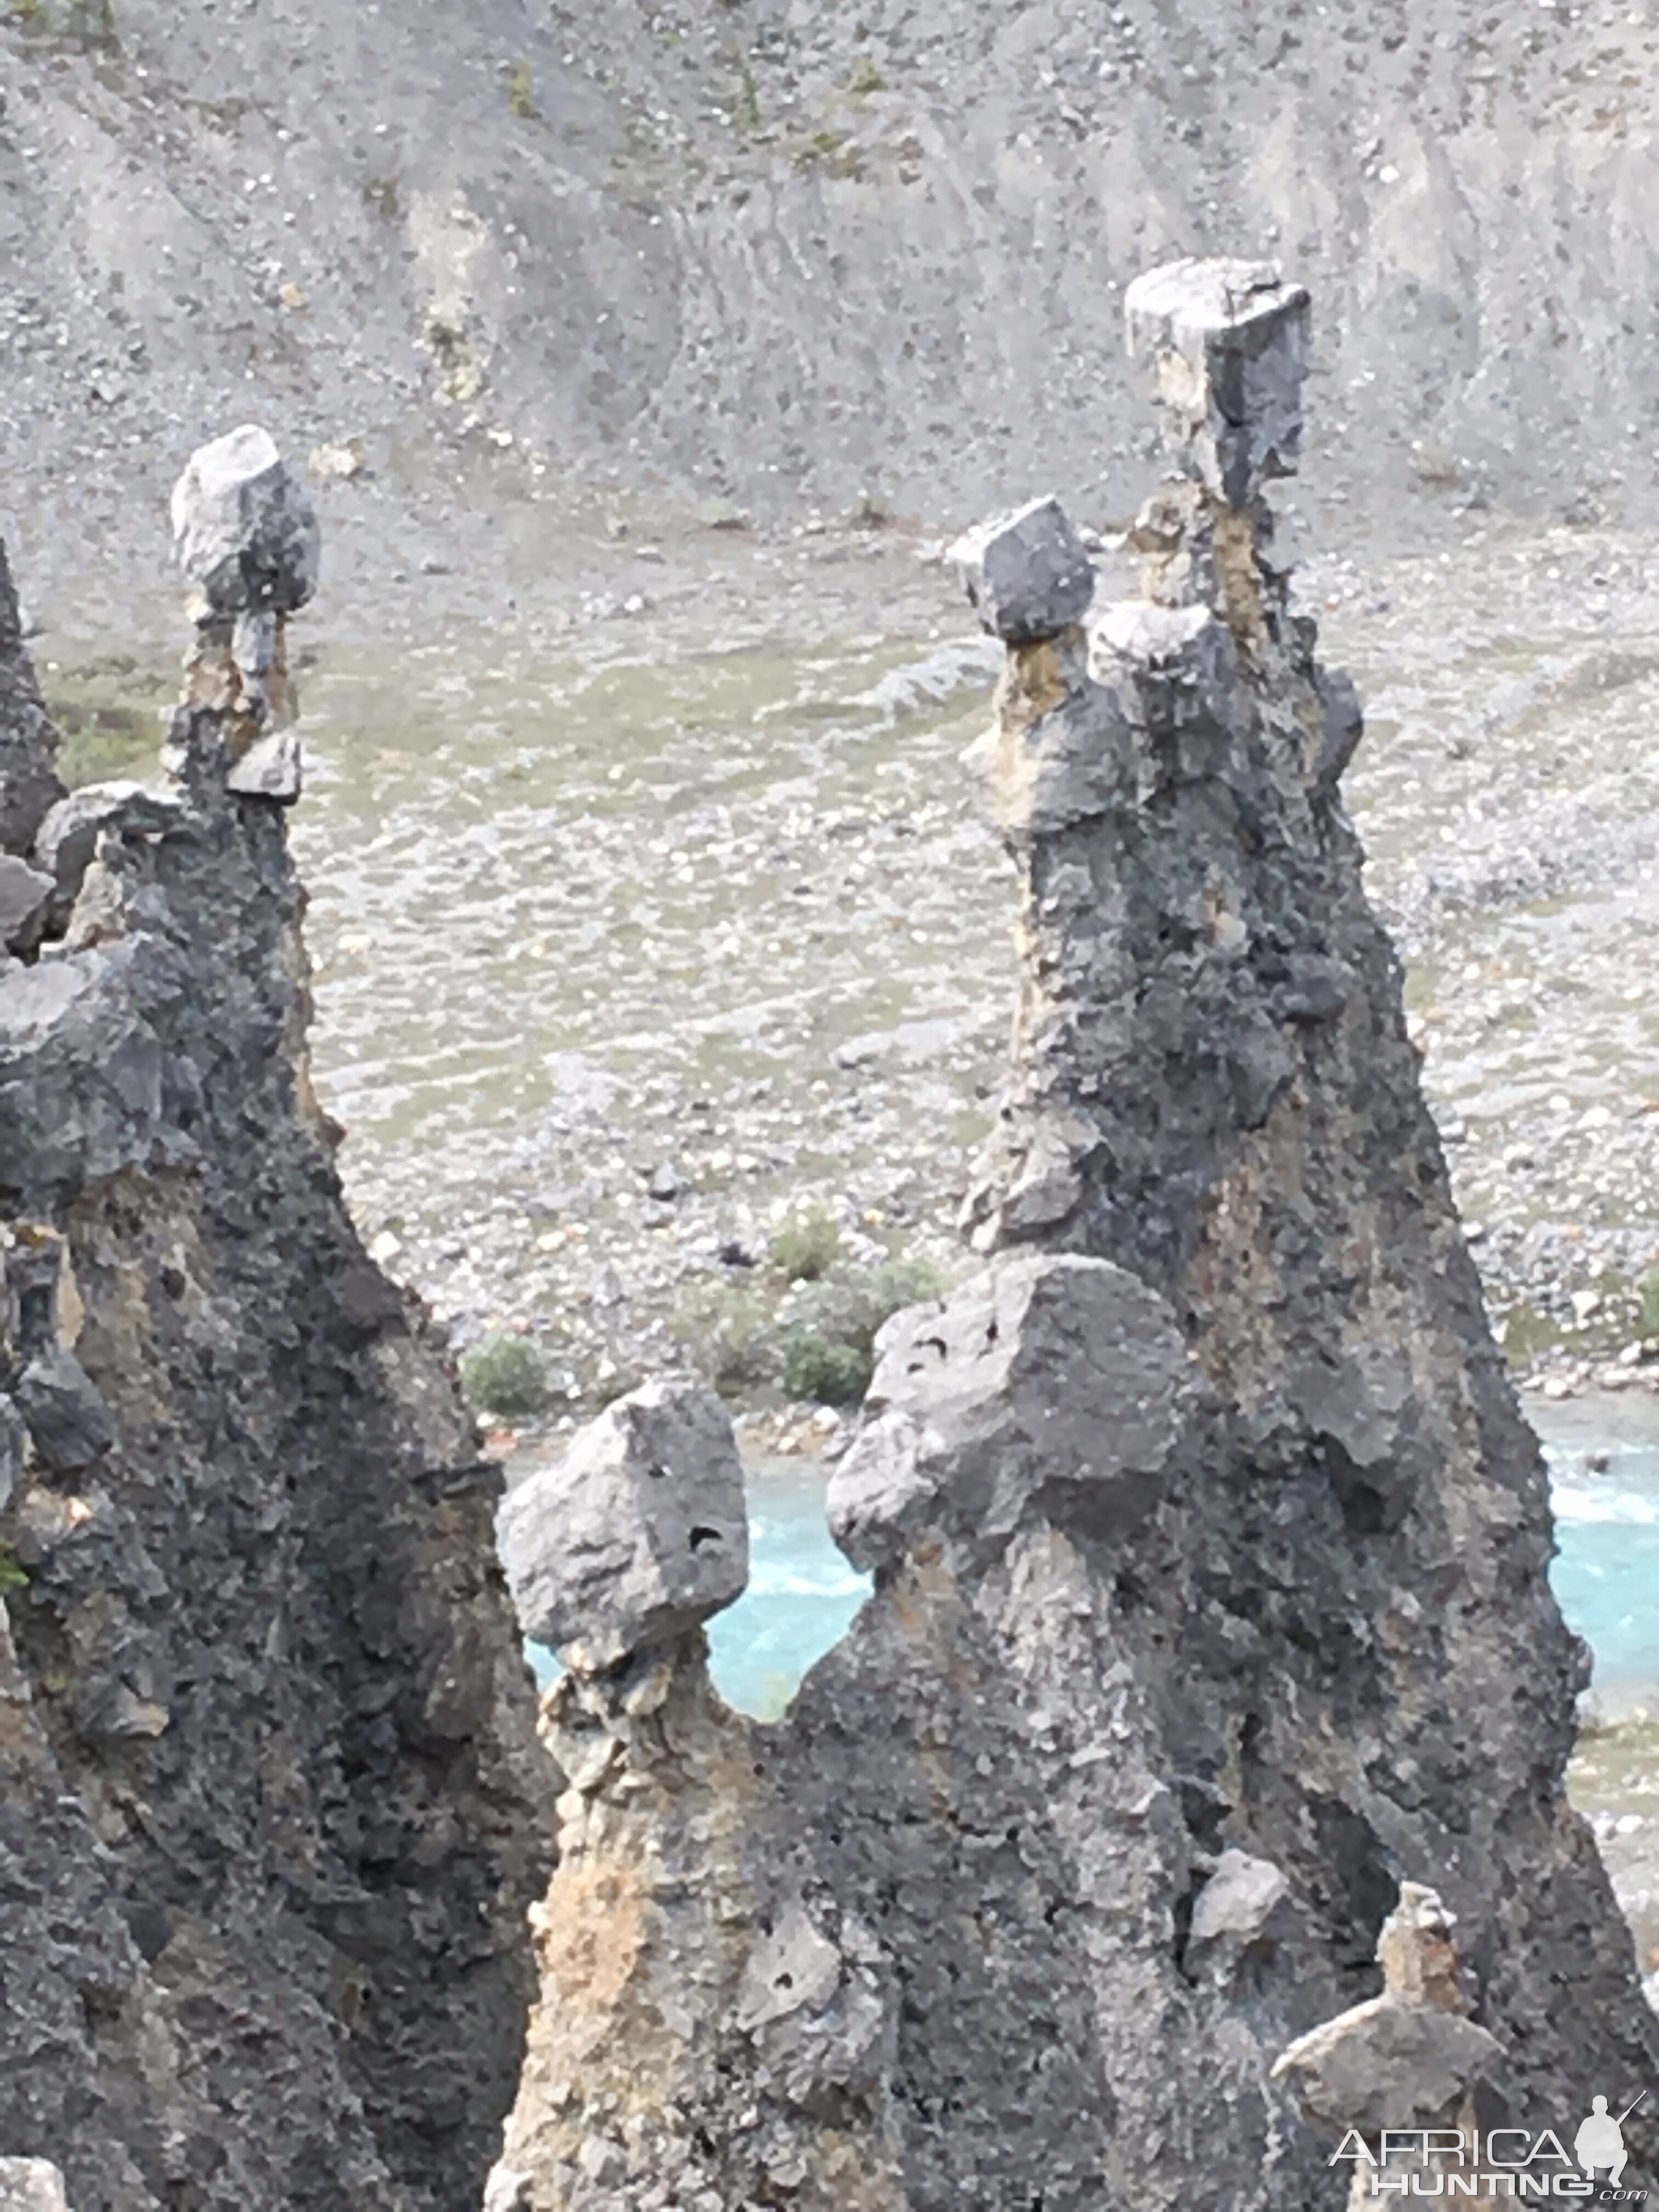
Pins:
x: 657, y: 911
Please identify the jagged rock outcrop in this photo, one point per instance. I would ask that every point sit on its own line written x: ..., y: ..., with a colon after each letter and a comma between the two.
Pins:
x: 702, y: 2038
x: 1407, y: 2063
x: 269, y: 1796
x: 1209, y: 1545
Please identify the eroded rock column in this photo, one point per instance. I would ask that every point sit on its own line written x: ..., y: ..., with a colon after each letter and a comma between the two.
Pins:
x: 1209, y: 1546
x: 709, y: 2034
x: 271, y: 1807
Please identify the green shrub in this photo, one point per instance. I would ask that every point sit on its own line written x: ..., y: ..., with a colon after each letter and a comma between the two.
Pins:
x: 830, y: 1353
x: 726, y: 1334
x: 808, y: 1248
x: 819, y: 1368
x: 521, y: 93
x: 12, y: 1577
x: 506, y: 1376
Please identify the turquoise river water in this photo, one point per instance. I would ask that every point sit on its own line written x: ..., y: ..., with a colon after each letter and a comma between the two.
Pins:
x: 1604, y: 1464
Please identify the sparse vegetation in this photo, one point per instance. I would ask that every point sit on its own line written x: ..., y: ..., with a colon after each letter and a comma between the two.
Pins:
x: 521, y: 92
x: 865, y: 78
x: 89, y: 23
x: 725, y: 1332
x: 832, y: 149
x: 807, y: 1247
x: 506, y: 1376
x: 1649, y: 1324
x: 382, y: 195
x: 794, y: 1334
x: 107, y: 711
x: 12, y: 1576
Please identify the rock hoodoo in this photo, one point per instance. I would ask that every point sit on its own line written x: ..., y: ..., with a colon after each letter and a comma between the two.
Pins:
x: 269, y: 1782
x: 1210, y: 1546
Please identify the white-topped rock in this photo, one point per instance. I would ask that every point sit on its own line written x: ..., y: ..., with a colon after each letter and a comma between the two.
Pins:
x: 244, y: 528
x: 1227, y: 343
x: 639, y: 1532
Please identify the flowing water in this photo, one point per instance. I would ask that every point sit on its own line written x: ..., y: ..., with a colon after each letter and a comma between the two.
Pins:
x: 1603, y: 1455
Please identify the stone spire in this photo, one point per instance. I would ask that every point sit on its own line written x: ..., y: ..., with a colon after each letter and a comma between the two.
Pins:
x: 248, y: 546
x: 271, y: 1807
x: 1209, y: 1548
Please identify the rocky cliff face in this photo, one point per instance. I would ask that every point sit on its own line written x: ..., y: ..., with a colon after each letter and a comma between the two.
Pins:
x: 268, y: 1779
x: 1209, y: 1544
x: 794, y: 252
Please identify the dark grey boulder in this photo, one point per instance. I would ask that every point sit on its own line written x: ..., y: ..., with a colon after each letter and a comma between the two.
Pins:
x: 68, y: 1420
x: 1028, y: 575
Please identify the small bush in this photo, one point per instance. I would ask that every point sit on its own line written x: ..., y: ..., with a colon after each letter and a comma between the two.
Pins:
x: 12, y: 1577
x: 865, y: 77
x: 726, y: 1335
x: 1650, y: 1323
x: 521, y: 93
x: 817, y: 1367
x: 506, y: 1376
x: 806, y: 1249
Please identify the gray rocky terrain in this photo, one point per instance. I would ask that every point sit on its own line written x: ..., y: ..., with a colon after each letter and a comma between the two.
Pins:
x: 789, y: 254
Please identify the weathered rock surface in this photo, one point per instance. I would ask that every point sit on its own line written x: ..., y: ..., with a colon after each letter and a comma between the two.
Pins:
x: 1409, y: 2059
x: 31, y: 2184
x: 1051, y: 1387
x: 269, y: 1818
x: 638, y: 1533
x: 29, y: 783
x: 647, y: 254
x: 1228, y: 346
x: 1210, y: 1546
x: 245, y: 529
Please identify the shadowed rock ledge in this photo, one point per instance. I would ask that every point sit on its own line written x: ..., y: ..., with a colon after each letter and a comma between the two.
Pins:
x: 268, y: 1773
x: 1209, y: 1545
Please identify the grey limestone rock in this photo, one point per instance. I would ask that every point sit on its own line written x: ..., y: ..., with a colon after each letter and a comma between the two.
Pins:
x: 1042, y: 1380
x: 68, y: 1420
x: 263, y: 1605
x: 30, y: 782
x: 1408, y: 2058
x: 1028, y: 574
x: 24, y: 892
x: 1229, y: 347
x: 639, y: 1531
x: 271, y: 768
x: 1388, y: 2064
x: 245, y: 528
x: 1209, y: 1547
x: 68, y: 837
x: 31, y: 2184
x: 14, y: 1436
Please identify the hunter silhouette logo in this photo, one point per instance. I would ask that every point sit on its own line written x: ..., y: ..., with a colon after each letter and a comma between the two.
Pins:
x: 1451, y: 2162
x: 1601, y: 2142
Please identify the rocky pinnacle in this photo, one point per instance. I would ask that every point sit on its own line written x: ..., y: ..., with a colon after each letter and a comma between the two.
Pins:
x: 1211, y: 1625
x: 271, y: 1809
